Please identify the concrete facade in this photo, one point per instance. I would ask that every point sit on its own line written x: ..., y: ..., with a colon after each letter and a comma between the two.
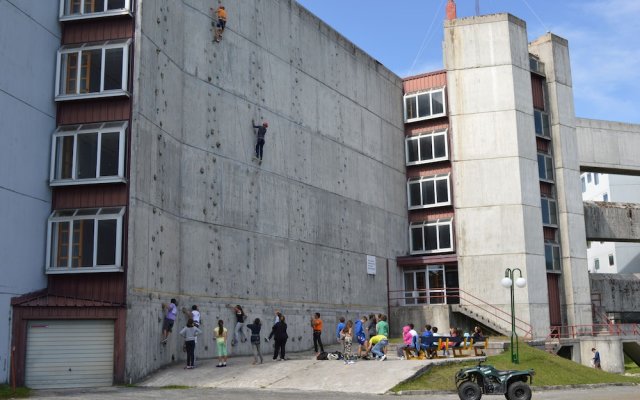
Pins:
x: 612, y: 257
x: 211, y: 227
x: 27, y: 113
x: 608, y: 146
x: 494, y: 151
x: 554, y: 52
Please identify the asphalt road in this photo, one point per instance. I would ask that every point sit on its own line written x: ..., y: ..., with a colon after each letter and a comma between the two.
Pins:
x: 131, y: 393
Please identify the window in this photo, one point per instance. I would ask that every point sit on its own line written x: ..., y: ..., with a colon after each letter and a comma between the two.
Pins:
x: 545, y: 167
x: 85, y: 240
x: 431, y: 237
x: 92, y: 153
x: 596, y: 264
x: 92, y: 70
x: 79, y: 9
x: 541, y: 120
x: 424, y: 105
x: 596, y: 179
x: 611, y: 260
x: 552, y: 256
x: 584, y: 185
x: 589, y: 178
x: 427, y: 148
x: 429, y: 192
x: 415, y: 286
x: 435, y: 284
x: 549, y: 211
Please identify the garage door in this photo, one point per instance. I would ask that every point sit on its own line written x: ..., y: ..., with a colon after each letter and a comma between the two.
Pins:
x: 73, y: 353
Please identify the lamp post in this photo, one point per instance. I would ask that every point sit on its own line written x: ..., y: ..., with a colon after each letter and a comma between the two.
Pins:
x: 507, y: 282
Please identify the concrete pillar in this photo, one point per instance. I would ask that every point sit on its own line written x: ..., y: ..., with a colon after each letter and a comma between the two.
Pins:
x: 554, y: 52
x: 497, y: 205
x: 611, y: 354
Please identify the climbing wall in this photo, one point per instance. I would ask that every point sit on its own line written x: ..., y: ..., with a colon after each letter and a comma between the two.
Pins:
x: 211, y: 227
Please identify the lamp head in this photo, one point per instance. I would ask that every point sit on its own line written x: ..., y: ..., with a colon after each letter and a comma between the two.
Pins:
x: 521, y: 282
x: 506, y: 282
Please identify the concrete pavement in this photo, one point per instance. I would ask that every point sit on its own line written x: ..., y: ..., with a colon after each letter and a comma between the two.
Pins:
x: 301, y: 372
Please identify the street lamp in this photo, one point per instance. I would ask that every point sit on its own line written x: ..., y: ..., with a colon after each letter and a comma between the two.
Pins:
x: 507, y: 282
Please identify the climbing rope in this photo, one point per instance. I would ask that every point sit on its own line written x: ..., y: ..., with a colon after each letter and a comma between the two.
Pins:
x: 427, y: 37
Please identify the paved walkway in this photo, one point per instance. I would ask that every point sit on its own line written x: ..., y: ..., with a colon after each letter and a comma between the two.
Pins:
x: 301, y: 372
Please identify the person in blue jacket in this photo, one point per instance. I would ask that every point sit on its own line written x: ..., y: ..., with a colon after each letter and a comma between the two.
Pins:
x: 361, y: 337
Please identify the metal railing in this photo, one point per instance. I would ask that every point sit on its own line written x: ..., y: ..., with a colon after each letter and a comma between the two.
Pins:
x: 463, y: 298
x: 610, y: 329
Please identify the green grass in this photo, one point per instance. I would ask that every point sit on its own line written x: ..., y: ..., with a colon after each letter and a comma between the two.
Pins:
x: 630, y: 367
x: 550, y: 370
x: 7, y: 393
x: 172, y: 387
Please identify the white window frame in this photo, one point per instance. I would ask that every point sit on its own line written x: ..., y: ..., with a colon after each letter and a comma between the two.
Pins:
x: 415, y: 296
x: 433, y: 134
x: 431, y: 115
x: 547, y: 159
x: 552, y: 246
x: 75, y: 131
x: 429, y: 180
x: 555, y: 205
x: 98, y: 14
x: 546, y: 130
x: 54, y: 218
x: 437, y: 223
x: 104, y: 46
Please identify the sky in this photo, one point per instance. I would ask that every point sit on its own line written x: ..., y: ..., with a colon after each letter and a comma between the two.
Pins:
x: 604, y: 41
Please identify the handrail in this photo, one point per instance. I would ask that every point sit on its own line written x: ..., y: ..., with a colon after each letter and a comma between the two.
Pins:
x: 575, y: 331
x: 468, y: 299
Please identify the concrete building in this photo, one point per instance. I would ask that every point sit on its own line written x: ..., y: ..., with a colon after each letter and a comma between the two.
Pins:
x: 508, y: 170
x: 156, y: 196
x: 28, y: 116
x: 376, y: 194
x: 612, y: 257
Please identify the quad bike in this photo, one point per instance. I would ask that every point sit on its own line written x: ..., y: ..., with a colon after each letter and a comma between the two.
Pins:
x: 475, y: 381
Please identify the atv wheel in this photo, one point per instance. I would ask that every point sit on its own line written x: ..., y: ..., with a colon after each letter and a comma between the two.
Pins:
x: 469, y: 391
x: 519, y: 391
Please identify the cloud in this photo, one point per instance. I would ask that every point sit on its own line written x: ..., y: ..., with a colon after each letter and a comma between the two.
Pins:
x: 605, y: 58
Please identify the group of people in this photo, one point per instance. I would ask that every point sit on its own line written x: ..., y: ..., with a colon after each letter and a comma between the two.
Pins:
x: 371, y: 334
x: 191, y: 331
x: 412, y: 339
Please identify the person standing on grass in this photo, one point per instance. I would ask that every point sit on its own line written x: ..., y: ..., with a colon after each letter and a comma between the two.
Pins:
x: 190, y: 332
x: 169, y: 319
x: 596, y: 358
x: 220, y: 333
x: 279, y: 333
x: 316, y: 325
x: 255, y: 339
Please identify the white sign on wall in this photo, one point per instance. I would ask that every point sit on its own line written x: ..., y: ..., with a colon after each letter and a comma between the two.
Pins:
x: 371, y: 265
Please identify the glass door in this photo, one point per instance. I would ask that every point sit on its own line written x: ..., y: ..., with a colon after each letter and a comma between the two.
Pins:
x: 415, y: 286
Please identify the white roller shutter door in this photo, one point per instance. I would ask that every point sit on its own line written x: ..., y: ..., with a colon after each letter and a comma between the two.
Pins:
x: 69, y: 353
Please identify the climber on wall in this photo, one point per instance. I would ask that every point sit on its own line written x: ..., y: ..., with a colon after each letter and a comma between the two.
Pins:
x: 221, y: 14
x: 260, y: 133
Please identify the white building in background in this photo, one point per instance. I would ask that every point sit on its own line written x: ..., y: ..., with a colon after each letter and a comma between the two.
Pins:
x: 612, y: 257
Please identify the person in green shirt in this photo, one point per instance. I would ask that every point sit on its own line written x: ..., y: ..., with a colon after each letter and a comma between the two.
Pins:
x: 382, y: 327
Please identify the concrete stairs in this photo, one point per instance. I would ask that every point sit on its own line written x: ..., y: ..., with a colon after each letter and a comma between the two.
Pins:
x: 482, y: 316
